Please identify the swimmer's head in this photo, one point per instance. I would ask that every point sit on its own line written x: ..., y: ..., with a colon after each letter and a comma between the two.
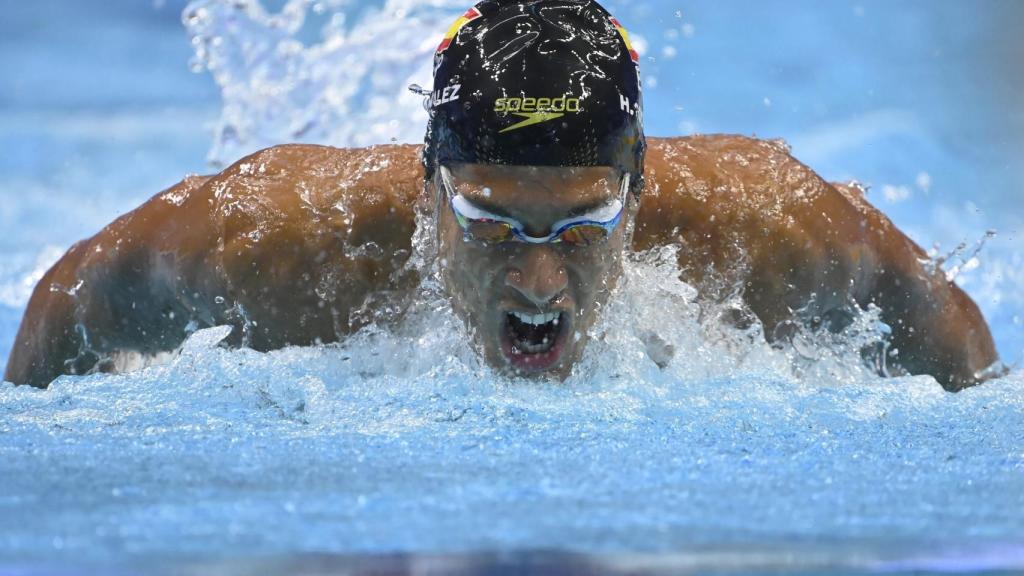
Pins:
x: 536, y: 83
x: 535, y: 154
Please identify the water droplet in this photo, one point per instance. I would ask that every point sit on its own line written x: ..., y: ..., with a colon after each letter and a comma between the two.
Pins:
x: 924, y: 182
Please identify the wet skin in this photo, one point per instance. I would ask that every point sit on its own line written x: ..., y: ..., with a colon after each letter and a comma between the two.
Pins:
x: 299, y: 245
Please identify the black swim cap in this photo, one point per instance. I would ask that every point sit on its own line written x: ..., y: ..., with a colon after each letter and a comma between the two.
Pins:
x: 537, y: 83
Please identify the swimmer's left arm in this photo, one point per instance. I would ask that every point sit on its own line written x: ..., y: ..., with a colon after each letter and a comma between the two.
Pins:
x: 845, y: 243
x: 801, y: 248
x: 936, y: 327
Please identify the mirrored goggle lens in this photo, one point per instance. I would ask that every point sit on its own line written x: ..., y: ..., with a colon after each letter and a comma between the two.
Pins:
x: 489, y: 231
x: 583, y: 234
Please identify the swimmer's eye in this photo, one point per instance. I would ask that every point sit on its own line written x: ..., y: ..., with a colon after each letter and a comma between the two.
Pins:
x: 489, y: 231
x: 583, y: 234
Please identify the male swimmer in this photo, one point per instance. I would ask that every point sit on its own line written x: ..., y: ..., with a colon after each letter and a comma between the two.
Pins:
x: 534, y: 163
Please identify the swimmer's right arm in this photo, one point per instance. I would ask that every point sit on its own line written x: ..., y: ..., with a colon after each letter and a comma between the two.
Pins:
x: 103, y: 294
x: 286, y: 246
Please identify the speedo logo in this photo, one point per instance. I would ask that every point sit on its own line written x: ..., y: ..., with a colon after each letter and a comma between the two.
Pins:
x: 536, y: 110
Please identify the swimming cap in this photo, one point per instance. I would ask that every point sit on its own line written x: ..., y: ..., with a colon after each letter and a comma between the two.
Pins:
x: 536, y: 83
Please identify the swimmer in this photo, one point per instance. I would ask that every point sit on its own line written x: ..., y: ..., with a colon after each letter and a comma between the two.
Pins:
x: 539, y: 179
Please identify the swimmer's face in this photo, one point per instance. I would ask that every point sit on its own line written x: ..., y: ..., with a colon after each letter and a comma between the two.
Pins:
x: 531, y: 306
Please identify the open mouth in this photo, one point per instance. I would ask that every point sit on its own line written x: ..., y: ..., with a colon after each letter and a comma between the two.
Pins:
x: 534, y: 342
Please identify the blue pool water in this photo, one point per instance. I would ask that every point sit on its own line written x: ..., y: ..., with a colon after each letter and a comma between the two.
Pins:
x: 735, y: 457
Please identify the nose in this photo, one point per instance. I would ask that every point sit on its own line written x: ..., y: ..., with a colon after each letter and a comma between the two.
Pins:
x: 538, y: 274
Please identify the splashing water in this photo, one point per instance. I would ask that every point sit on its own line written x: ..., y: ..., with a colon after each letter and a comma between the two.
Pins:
x: 276, y: 89
x: 967, y: 258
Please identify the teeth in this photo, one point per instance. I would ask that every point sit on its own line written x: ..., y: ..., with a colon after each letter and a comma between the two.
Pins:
x: 535, y: 348
x: 521, y: 346
x: 537, y: 319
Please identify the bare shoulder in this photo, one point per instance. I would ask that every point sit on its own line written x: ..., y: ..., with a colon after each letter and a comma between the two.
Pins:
x: 736, y: 176
x: 283, y: 233
x: 307, y: 233
x: 302, y: 188
x: 746, y: 206
x: 317, y: 181
x: 719, y: 188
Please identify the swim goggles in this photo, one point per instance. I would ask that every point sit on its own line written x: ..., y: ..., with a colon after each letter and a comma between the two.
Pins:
x: 593, y: 227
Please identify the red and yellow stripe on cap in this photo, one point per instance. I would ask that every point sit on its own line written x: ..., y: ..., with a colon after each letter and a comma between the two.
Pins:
x: 629, y: 45
x: 469, y: 16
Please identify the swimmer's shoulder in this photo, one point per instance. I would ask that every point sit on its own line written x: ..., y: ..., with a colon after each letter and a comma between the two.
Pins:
x: 711, y: 190
x: 732, y: 177
x: 722, y: 166
x: 282, y: 198
x: 321, y: 176
x: 313, y: 176
x: 314, y: 196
